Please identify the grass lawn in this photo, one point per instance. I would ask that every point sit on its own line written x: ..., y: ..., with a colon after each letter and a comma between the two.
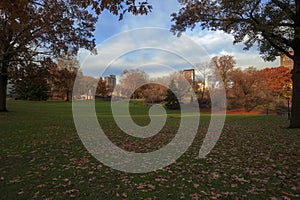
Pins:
x: 42, y: 157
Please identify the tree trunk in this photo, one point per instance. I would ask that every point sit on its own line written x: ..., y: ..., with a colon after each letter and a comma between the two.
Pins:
x: 295, y: 111
x: 3, y: 86
x: 68, y: 96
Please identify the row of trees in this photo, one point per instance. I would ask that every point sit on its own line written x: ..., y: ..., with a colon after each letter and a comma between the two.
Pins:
x: 41, y: 80
x: 249, y: 88
x: 136, y: 84
x: 54, y: 80
x: 245, y: 88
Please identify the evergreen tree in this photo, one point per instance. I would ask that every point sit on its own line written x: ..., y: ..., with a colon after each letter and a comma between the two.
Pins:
x: 172, y: 100
x: 30, y: 82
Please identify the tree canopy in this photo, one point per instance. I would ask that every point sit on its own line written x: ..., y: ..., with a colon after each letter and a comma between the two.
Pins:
x: 132, y: 82
x: 279, y: 79
x: 270, y: 24
x: 55, y: 25
x: 223, y: 65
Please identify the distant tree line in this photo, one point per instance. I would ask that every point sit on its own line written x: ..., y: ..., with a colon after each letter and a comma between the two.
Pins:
x: 43, y: 80
x: 246, y: 89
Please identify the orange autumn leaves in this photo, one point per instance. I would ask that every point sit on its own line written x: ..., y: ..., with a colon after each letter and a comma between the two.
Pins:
x: 278, y: 79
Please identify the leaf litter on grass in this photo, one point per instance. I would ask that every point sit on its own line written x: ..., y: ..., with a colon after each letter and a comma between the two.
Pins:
x: 256, y: 157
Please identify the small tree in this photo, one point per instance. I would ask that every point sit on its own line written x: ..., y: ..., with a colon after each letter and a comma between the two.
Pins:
x: 205, y: 72
x: 223, y: 65
x: 182, y: 84
x: 131, y: 82
x: 171, y: 99
x: 102, y: 90
x: 63, y: 76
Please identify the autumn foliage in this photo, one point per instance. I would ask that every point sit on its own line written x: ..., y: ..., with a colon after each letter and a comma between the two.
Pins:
x: 251, y: 88
x: 278, y: 79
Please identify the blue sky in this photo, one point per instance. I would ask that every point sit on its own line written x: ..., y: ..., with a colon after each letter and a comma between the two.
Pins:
x: 110, y: 39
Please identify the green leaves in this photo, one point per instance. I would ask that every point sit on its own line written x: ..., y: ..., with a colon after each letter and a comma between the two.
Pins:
x: 30, y: 82
x: 172, y: 101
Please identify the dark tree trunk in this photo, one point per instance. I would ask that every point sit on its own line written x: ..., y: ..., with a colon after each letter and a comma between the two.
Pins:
x: 68, y: 99
x: 3, y: 86
x: 295, y: 111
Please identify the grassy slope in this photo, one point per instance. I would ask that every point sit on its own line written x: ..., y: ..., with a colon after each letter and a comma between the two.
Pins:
x: 41, y: 156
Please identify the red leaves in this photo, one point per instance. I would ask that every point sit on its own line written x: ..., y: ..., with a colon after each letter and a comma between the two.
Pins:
x: 278, y: 79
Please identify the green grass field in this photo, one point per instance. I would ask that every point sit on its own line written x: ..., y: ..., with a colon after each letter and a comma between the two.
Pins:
x: 42, y: 157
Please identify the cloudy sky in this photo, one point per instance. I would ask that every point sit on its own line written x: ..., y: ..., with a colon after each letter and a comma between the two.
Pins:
x: 131, y: 43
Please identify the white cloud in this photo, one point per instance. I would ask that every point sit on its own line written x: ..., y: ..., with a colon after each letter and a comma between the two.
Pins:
x: 142, y: 46
x: 198, y: 46
x: 218, y: 43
